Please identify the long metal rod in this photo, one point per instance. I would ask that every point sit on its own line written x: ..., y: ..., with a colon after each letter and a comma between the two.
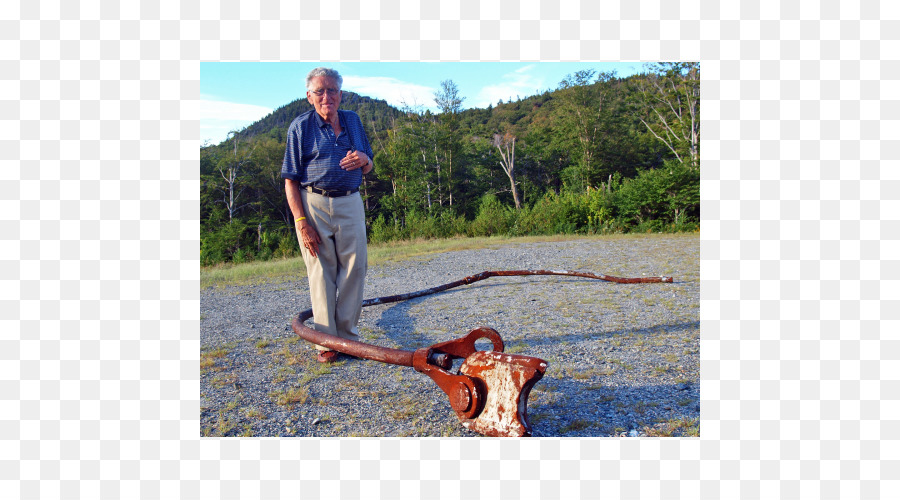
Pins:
x: 405, y: 358
x: 488, y: 274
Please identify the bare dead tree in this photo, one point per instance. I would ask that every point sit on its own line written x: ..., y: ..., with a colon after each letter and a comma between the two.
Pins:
x: 230, y: 172
x: 672, y: 93
x: 506, y: 144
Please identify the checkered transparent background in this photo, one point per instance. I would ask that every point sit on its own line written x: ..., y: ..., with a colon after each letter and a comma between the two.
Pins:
x: 800, y: 305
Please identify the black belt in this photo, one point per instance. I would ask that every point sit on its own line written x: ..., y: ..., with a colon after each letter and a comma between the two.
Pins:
x: 331, y: 194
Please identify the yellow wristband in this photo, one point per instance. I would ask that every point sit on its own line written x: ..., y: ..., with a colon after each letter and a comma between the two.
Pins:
x: 298, y: 219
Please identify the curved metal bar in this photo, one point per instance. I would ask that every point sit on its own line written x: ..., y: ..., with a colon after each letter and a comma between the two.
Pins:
x: 353, y: 347
x: 405, y: 358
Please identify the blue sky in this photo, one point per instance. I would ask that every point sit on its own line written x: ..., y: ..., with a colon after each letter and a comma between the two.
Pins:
x: 234, y: 95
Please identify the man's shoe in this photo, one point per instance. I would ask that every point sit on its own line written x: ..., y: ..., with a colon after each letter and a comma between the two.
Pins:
x: 327, y: 356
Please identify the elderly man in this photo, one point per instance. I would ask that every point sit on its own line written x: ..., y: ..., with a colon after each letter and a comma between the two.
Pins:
x: 326, y: 156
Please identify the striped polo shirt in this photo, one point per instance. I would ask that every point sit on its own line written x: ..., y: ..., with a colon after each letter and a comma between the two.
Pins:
x: 312, y: 155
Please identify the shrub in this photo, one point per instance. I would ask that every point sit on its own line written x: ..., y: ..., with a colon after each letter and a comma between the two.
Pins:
x: 381, y: 230
x: 669, y: 194
x: 565, y: 213
x: 242, y: 255
x: 288, y: 246
x: 440, y: 223
x: 222, y: 244
x: 494, y: 218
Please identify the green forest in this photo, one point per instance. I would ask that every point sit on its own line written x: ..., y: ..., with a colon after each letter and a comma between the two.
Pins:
x: 598, y: 154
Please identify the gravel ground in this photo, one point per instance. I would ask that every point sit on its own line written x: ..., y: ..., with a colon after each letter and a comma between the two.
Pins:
x: 624, y: 358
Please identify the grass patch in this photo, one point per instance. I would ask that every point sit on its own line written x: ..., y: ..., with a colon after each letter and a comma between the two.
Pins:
x: 323, y: 368
x: 234, y: 404
x: 621, y: 364
x: 535, y: 418
x: 283, y: 374
x: 250, y: 273
x: 363, y: 433
x: 577, y: 425
x: 406, y: 408
x: 287, y: 356
x: 585, y: 373
x: 660, y: 369
x: 222, y: 427
x: 223, y: 380
x: 689, y: 427
x: 516, y: 348
x: 207, y: 363
x: 640, y: 407
x: 212, y: 354
x: 290, y: 396
x: 314, y: 372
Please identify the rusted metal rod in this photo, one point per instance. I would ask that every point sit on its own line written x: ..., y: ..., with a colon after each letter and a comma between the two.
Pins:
x: 356, y: 348
x: 488, y: 274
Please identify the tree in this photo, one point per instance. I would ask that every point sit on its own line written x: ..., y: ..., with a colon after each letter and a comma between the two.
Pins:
x: 265, y: 180
x: 230, y: 171
x: 403, y: 163
x: 448, y: 140
x: 506, y: 144
x: 582, y: 110
x: 670, y: 107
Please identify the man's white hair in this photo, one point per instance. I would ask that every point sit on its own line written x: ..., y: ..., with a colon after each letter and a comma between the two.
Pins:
x: 326, y: 72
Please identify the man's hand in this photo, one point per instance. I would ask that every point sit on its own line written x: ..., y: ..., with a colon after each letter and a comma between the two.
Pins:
x: 308, y: 237
x: 355, y: 159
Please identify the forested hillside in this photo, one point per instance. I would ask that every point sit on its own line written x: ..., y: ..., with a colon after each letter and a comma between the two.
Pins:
x: 598, y: 154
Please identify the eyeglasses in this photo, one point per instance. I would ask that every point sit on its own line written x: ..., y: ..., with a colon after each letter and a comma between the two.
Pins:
x: 321, y: 92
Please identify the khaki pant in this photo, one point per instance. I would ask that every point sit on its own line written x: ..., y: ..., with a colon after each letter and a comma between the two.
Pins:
x: 337, y: 274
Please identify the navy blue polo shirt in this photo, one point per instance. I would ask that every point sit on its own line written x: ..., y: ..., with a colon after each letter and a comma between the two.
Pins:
x: 313, y: 154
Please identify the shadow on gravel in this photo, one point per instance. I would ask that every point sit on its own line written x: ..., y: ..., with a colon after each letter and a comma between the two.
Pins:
x: 399, y: 325
x: 650, y: 410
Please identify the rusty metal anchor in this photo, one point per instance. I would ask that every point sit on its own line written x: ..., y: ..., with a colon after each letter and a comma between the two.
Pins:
x: 490, y: 390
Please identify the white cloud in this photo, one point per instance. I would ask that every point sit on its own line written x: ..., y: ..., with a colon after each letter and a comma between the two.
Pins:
x: 217, y: 118
x: 396, y: 92
x: 521, y: 83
